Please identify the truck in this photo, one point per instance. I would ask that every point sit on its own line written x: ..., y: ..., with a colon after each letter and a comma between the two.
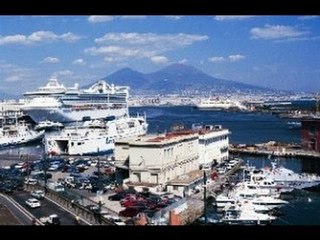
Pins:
x: 52, y: 219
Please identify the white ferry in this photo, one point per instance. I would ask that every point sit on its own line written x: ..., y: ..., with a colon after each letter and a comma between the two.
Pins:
x: 18, y: 133
x: 218, y: 104
x: 56, y: 103
x: 94, y: 137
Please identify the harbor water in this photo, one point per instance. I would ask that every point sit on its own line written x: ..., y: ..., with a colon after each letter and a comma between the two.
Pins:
x: 246, y: 128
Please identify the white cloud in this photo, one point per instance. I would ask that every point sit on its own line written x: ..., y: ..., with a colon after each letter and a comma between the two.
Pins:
x: 152, y: 38
x: 14, y: 78
x: 69, y: 37
x: 159, y: 59
x: 217, y: 59
x: 232, y: 18
x: 122, y: 46
x: 37, y: 37
x: 102, y: 18
x: 119, y: 50
x: 12, y: 73
x: 182, y: 61
x: 79, y: 61
x: 99, y: 19
x: 235, y: 58
x: 276, y: 32
x: 51, y: 60
x: 230, y: 58
x: 173, y: 17
x: 63, y: 73
x: 42, y: 36
x: 13, y: 39
x: 309, y: 17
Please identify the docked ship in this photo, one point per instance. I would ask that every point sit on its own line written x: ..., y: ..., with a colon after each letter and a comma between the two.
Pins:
x: 218, y: 104
x: 48, y: 125
x: 94, y: 137
x: 18, y: 133
x: 56, y: 103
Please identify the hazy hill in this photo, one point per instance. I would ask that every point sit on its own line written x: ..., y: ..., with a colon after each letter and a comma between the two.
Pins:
x: 176, y: 78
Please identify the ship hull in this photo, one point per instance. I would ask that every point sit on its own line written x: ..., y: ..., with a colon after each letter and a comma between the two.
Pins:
x: 68, y: 115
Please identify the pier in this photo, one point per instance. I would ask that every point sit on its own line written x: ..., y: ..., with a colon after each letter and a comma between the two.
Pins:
x: 195, y: 203
x: 274, y: 149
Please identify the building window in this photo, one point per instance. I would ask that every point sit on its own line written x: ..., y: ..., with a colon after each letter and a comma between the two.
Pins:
x: 154, y: 178
x: 175, y: 187
x: 312, y: 130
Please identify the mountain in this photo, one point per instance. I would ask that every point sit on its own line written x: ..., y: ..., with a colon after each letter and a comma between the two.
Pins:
x: 174, y: 79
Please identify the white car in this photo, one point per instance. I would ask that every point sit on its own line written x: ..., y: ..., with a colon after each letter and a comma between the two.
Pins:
x: 31, y: 181
x: 37, y: 194
x: 33, y: 203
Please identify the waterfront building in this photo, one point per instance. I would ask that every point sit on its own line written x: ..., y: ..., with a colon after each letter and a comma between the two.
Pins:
x: 11, y: 108
x: 158, y: 161
x: 213, y: 145
x: 310, y: 133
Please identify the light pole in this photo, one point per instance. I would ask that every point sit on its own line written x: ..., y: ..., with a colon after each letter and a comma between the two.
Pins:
x: 99, y: 189
x: 45, y: 165
x: 205, y: 196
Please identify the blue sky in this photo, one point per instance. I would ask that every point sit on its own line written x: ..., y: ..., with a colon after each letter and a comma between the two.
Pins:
x: 281, y: 52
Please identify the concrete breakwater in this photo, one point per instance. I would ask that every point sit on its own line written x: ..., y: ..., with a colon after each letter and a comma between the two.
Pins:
x: 273, y: 149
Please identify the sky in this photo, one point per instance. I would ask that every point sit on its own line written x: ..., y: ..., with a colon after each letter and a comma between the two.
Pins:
x: 281, y: 52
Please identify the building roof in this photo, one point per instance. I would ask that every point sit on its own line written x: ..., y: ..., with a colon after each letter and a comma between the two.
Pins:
x: 187, y: 179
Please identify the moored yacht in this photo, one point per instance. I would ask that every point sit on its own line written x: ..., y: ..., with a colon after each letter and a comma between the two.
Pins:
x: 245, y: 214
x: 288, y: 178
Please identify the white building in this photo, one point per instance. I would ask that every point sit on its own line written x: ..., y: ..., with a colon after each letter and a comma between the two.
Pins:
x: 213, y: 145
x: 157, y: 160
x: 11, y: 108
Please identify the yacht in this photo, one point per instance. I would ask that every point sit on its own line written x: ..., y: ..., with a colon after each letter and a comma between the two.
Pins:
x: 18, y: 133
x: 244, y: 214
x: 94, y: 137
x: 56, y: 103
x: 289, y: 178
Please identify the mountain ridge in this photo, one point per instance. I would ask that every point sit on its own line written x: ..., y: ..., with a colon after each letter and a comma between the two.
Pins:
x: 176, y: 78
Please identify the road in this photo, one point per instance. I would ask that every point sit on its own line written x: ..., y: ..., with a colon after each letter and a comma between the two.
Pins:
x: 47, y: 208
x: 21, y: 216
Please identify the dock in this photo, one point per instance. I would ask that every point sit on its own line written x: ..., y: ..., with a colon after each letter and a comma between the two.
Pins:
x: 195, y: 203
x: 274, y: 149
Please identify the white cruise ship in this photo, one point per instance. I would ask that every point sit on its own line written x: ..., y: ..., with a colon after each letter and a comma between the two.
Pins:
x: 56, y: 103
x: 94, y: 137
x: 218, y: 104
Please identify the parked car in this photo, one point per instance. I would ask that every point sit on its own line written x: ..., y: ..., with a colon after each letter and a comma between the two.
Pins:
x: 33, y: 203
x: 37, y: 194
x: 31, y: 181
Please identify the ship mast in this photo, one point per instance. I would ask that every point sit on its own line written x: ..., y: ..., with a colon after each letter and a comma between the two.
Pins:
x: 317, y: 104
